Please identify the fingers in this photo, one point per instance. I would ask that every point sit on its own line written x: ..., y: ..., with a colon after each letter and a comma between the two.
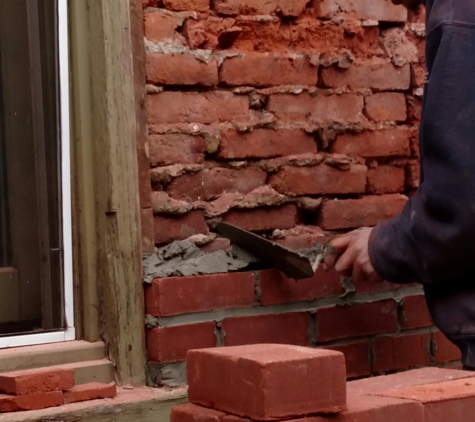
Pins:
x: 345, y: 262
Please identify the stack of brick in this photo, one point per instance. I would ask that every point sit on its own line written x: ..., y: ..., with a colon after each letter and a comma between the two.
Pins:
x: 264, y: 383
x: 47, y: 387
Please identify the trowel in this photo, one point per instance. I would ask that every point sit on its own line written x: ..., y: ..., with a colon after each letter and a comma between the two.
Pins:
x: 291, y: 263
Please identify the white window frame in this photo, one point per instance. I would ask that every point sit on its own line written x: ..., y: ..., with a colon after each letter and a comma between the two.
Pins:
x: 68, y: 333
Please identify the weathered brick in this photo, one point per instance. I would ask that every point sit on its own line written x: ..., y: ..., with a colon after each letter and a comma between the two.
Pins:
x: 290, y: 328
x: 445, y: 350
x: 386, y: 106
x: 264, y: 219
x: 365, y: 286
x: 267, y: 381
x: 276, y: 288
x: 357, y: 357
x: 374, y: 74
x: 265, y: 143
x: 319, y: 180
x: 170, y: 344
x: 159, y: 27
x: 195, y: 107
x: 180, y: 69
x: 189, y: 412
x: 346, y: 108
x: 170, y: 149
x: 185, y: 5
x: 385, y: 179
x: 211, y: 183
x: 382, y: 143
x: 260, y: 7
x: 263, y: 69
x: 415, y: 313
x: 401, y: 352
x: 353, y: 213
x: 36, y: 381
x: 90, y: 391
x: 181, y: 295
x: 383, y: 11
x: 168, y: 228
x: 33, y: 401
x: 362, y: 319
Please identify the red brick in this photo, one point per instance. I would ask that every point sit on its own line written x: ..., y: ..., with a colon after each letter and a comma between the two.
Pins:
x: 170, y: 344
x: 267, y: 381
x: 346, y: 108
x: 381, y: 11
x: 267, y: 70
x: 265, y: 143
x: 353, y: 213
x: 218, y: 244
x: 36, y: 381
x: 444, y: 401
x: 291, y: 328
x: 180, y: 69
x: 319, y: 180
x: 159, y: 27
x: 194, y: 33
x: 195, y: 107
x: 260, y: 7
x: 264, y: 219
x: 386, y: 106
x: 187, y: 5
x: 189, y: 412
x: 170, y: 149
x: 415, y: 312
x: 90, y: 391
x: 356, y: 356
x: 34, y: 401
x: 211, y: 183
x: 379, y: 75
x: 385, y: 179
x: 402, y: 352
x: 181, y: 295
x: 382, y: 143
x: 168, y: 228
x: 371, y: 287
x: 361, y: 319
x: 445, y: 350
x: 277, y: 288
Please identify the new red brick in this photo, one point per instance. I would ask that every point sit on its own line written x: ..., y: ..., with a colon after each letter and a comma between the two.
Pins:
x: 384, y: 143
x: 291, y: 328
x: 264, y: 219
x: 168, y: 228
x: 353, y: 213
x: 402, y: 352
x: 357, y: 357
x: 265, y: 143
x: 320, y: 180
x: 195, y: 107
x: 381, y: 11
x: 171, y: 149
x: 346, y: 108
x: 276, y: 288
x: 33, y: 401
x: 36, y: 381
x: 187, y: 5
x: 362, y: 319
x: 181, y: 295
x: 180, y: 69
x: 415, y: 312
x: 170, y: 344
x: 212, y: 183
x: 267, y: 381
x: 267, y: 70
x: 260, y: 7
x: 386, y: 106
x: 379, y: 75
x: 385, y: 179
x: 159, y: 27
x: 90, y: 391
x: 445, y: 350
x: 189, y: 412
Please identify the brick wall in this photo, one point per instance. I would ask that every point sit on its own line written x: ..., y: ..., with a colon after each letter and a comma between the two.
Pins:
x: 296, y: 119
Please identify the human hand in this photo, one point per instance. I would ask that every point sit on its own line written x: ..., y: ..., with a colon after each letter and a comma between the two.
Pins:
x: 351, y: 257
x: 409, y: 4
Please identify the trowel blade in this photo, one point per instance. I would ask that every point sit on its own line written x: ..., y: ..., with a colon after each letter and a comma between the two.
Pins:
x: 292, y: 264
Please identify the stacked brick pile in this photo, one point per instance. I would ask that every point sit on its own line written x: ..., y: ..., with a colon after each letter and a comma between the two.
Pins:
x: 267, y: 382
x: 47, y: 387
x: 297, y: 120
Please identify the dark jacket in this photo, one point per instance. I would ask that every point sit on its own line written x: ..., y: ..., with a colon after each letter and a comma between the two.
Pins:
x: 433, y: 240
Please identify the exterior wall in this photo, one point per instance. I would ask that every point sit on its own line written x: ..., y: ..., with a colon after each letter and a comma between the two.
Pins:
x: 297, y: 120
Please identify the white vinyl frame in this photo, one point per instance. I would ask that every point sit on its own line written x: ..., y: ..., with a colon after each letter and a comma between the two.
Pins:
x: 69, y: 332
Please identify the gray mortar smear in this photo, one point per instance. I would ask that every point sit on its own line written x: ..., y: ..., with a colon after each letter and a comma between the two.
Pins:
x: 184, y: 258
